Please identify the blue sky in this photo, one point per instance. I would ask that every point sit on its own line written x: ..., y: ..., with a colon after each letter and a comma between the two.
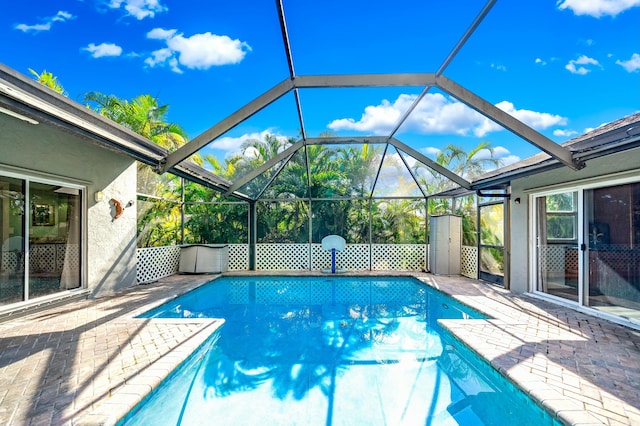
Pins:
x: 562, y: 67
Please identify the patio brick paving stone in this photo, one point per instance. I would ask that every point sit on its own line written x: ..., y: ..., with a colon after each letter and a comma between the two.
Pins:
x: 583, y: 361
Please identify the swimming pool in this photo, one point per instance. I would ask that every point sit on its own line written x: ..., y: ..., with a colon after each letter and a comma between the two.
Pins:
x: 330, y: 351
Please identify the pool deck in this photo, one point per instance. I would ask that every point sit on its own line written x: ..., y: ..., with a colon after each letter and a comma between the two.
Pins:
x: 89, y: 362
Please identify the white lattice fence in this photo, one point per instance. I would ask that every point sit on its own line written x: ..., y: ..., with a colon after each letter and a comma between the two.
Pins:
x: 469, y: 261
x: 282, y: 257
x: 154, y: 263
x: 238, y: 257
x: 10, y: 261
x: 355, y: 257
x: 398, y: 257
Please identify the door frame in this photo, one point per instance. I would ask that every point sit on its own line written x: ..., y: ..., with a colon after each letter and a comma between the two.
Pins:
x: 580, y: 186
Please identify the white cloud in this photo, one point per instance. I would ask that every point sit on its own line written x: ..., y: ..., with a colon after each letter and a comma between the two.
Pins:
x: 632, y: 64
x: 61, y: 16
x: 597, y: 8
x: 499, y: 67
x: 564, y: 133
x: 437, y: 114
x: 499, y: 152
x: 200, y: 51
x: 540, y: 61
x: 431, y: 151
x: 537, y: 120
x: 139, y: 9
x: 103, y: 49
x: 232, y: 144
x: 582, y: 60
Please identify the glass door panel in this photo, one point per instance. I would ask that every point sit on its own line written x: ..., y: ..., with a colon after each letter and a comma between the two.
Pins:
x: 491, y: 250
x: 557, y: 250
x: 54, y: 239
x: 613, y: 217
x: 12, y: 250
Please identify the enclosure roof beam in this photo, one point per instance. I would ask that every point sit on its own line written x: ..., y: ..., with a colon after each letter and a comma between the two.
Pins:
x: 375, y: 180
x: 430, y: 163
x: 200, y: 141
x: 413, y: 175
x: 509, y: 122
x: 292, y: 72
x: 265, y: 166
x: 363, y: 80
x: 347, y: 140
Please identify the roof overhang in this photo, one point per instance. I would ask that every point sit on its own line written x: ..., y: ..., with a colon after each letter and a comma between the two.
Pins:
x: 612, y: 138
x: 34, y: 103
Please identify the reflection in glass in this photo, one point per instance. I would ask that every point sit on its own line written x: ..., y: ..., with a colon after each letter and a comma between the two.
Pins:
x: 54, y: 239
x: 492, y: 225
x: 557, y: 245
x: 613, y: 216
x: 12, y: 221
x: 491, y: 250
x: 492, y: 260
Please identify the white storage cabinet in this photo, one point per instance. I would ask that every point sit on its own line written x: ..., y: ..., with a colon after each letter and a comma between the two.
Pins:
x: 204, y: 258
x: 445, y: 244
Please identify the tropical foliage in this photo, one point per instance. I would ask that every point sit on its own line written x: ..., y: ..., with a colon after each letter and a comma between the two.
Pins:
x: 48, y: 79
x: 319, y: 190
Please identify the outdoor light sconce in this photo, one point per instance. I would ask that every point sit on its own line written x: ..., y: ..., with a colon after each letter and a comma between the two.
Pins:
x: 517, y: 201
x: 98, y: 196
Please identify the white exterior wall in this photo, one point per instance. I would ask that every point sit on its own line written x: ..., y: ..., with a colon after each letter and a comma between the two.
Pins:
x: 42, y: 150
x: 600, y: 169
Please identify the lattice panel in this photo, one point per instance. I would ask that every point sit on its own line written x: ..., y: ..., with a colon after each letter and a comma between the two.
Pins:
x: 154, y: 263
x: 238, y: 257
x: 69, y: 253
x: 282, y: 257
x: 553, y: 258
x: 398, y: 257
x: 469, y: 262
x: 571, y: 259
x: 42, y: 258
x: 355, y: 257
x: 10, y: 261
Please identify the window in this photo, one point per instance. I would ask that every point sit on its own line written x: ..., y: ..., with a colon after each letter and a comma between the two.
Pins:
x: 562, y: 217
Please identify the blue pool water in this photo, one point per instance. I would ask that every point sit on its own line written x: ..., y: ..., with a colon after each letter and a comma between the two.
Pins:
x: 330, y: 351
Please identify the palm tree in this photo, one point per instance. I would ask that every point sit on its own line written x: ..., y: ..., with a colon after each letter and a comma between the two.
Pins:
x: 142, y: 115
x: 48, y: 79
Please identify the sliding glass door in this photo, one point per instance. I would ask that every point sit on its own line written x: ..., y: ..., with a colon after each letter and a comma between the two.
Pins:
x: 12, y: 232
x: 41, y: 238
x: 612, y: 217
x: 557, y: 244
x: 587, y: 247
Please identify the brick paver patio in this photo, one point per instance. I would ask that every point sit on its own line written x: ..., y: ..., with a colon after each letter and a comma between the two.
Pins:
x: 90, y: 362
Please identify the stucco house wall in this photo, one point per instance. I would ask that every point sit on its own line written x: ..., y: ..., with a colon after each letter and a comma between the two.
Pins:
x: 599, y: 169
x: 43, y: 150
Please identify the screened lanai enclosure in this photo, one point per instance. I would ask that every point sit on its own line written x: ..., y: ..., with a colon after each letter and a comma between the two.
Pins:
x: 278, y: 196
x: 375, y: 196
